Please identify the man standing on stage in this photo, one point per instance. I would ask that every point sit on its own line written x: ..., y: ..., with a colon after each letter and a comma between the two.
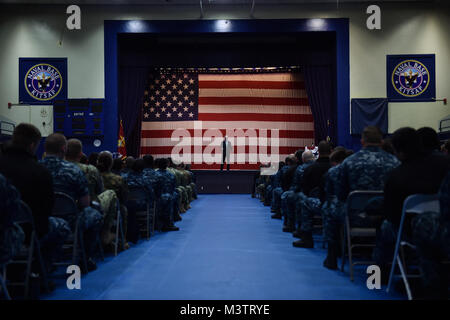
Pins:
x: 226, y: 149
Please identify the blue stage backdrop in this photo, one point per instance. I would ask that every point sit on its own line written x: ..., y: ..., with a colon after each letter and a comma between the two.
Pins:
x: 410, y: 78
x: 369, y: 112
x: 41, y: 80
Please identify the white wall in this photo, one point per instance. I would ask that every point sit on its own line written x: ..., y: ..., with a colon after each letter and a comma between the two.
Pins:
x: 35, y: 31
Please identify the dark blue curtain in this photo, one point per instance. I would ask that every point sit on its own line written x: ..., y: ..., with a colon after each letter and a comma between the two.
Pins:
x: 132, y: 83
x: 320, y: 88
x: 369, y: 112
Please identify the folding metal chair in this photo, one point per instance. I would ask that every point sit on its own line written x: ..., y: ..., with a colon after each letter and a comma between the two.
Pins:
x: 3, y: 288
x: 120, y: 237
x: 146, y: 217
x: 29, y: 252
x: 356, y: 202
x: 65, y: 207
x: 414, y: 204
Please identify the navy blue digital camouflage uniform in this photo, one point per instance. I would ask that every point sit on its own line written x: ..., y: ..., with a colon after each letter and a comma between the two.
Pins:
x: 332, y: 208
x: 165, y: 197
x: 139, y: 180
x: 68, y: 178
x: 367, y: 169
x: 277, y: 189
x: 290, y: 208
x: 11, y: 235
x: 431, y: 235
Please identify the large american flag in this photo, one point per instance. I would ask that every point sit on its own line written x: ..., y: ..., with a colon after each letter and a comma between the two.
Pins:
x: 182, y: 102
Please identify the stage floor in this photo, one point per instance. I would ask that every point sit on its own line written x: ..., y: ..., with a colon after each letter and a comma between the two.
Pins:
x: 233, y: 181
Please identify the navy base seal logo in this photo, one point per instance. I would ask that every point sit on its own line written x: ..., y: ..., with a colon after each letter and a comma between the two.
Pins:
x: 410, y: 78
x: 43, y: 82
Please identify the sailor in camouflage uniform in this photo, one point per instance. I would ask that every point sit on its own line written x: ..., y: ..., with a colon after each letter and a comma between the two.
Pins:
x: 290, y: 201
x: 106, y: 199
x: 431, y: 235
x: 367, y: 169
x: 116, y: 183
x: 69, y: 179
x: 278, y: 190
x: 11, y: 235
x: 192, y: 181
x: 165, y: 194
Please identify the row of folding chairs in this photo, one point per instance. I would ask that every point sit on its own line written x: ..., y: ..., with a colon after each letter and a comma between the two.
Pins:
x: 64, y: 207
x: 413, y: 205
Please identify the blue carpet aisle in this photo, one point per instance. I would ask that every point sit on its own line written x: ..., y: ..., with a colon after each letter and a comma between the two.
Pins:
x: 228, y: 247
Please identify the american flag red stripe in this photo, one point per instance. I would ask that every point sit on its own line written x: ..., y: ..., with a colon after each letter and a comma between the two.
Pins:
x: 256, y: 103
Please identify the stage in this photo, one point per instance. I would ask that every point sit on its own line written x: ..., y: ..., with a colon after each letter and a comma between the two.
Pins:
x: 233, y: 181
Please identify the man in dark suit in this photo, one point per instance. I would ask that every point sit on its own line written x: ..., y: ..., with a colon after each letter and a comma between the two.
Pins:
x: 226, y: 149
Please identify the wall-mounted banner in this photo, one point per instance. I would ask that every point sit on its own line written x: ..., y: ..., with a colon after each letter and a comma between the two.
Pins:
x: 410, y: 78
x: 41, y: 80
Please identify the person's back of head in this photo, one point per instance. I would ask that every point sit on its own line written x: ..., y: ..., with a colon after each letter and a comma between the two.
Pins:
x: 56, y: 145
x: 129, y: 162
x: 26, y: 136
x: 138, y: 165
x: 104, y: 161
x: 281, y: 165
x: 117, y: 165
x: 387, y: 146
x: 163, y: 163
x: 298, y: 155
x: 307, y: 156
x: 148, y: 161
x: 84, y: 159
x: 92, y: 159
x: 324, y: 149
x: 74, y: 150
x: 430, y: 139
x: 290, y: 160
x: 337, y: 156
x: 170, y: 162
x: 407, y: 143
x: 371, y: 135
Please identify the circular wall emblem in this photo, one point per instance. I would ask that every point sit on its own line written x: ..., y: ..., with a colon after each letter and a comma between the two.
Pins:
x: 43, y: 82
x: 410, y: 78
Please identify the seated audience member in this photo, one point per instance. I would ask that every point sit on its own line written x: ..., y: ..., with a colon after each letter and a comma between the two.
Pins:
x: 136, y: 180
x: 187, y: 183
x: 286, y: 183
x: 84, y: 159
x: 430, y: 141
x: 92, y: 159
x: 193, y: 181
x: 11, y: 235
x: 116, y: 183
x: 69, y: 179
x: 431, y: 235
x: 367, y: 169
x: 292, y: 216
x: 180, y: 195
x: 117, y: 166
x: 333, y: 209
x: 419, y: 172
x: 312, y: 194
x: 106, y: 199
x: 387, y: 146
x: 165, y: 193
x: 270, y: 183
x: 129, y: 161
x: 34, y: 182
x: 278, y: 191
